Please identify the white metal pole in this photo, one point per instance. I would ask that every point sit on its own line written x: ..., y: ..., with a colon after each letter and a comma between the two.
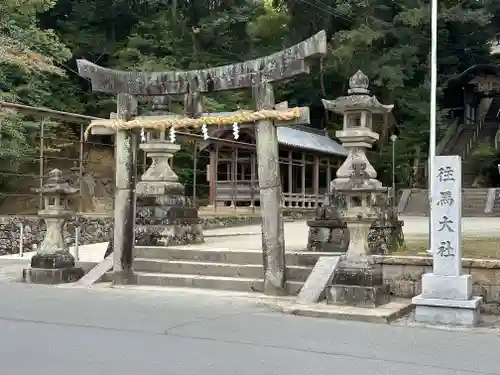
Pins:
x: 433, y: 114
x: 394, y: 171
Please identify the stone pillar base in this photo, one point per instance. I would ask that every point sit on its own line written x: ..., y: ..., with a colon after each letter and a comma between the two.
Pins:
x: 447, y: 312
x: 124, y: 277
x: 52, y: 276
x: 447, y: 300
x: 358, y: 286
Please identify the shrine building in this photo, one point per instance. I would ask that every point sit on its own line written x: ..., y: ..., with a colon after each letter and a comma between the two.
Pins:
x: 309, y: 159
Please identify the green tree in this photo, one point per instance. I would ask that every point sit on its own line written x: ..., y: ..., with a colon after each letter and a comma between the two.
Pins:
x: 390, y: 42
x: 29, y: 58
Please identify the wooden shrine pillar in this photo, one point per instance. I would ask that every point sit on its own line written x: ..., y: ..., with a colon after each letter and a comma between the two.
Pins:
x: 216, y: 175
x: 211, y: 177
x: 303, y: 179
x: 252, y: 181
x: 328, y: 175
x: 316, y: 177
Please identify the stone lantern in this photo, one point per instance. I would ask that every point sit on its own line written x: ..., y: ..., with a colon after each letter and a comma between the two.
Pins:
x: 327, y: 231
x: 53, y: 262
x: 358, y: 281
x: 165, y: 216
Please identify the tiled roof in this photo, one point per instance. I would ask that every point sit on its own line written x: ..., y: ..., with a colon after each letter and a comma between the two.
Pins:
x: 309, y: 140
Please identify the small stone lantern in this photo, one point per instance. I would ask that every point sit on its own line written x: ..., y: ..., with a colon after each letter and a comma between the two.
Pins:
x: 53, y: 262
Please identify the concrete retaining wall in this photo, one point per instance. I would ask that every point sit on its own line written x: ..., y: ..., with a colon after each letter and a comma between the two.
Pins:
x: 403, y: 274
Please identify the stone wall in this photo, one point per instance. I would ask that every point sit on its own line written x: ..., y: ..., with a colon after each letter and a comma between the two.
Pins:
x: 94, y: 228
x: 403, y: 274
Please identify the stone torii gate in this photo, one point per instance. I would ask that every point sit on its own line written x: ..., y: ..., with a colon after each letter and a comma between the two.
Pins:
x: 258, y: 74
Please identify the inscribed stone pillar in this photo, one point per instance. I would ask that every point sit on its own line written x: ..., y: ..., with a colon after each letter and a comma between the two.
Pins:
x: 446, y: 296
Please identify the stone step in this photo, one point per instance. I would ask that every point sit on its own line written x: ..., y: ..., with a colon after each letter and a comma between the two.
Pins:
x: 210, y: 282
x: 296, y: 273
x: 231, y: 256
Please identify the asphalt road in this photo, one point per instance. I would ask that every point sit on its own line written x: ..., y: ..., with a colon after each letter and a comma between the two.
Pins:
x: 55, y: 331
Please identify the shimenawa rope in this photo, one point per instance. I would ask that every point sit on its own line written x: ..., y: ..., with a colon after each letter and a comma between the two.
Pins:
x: 186, y: 122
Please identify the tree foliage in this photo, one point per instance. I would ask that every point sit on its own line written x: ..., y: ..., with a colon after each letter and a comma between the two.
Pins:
x: 389, y: 41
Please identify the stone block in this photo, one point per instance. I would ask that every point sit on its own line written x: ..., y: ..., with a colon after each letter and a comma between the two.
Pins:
x: 360, y: 276
x: 403, y: 288
x: 362, y: 296
x: 485, y: 276
x: 169, y: 235
x: 493, y: 293
x: 414, y: 272
x: 391, y: 272
x: 58, y: 260
x: 97, y: 272
x: 447, y: 287
x: 320, y: 277
x: 52, y: 276
x: 327, y: 236
x: 447, y: 312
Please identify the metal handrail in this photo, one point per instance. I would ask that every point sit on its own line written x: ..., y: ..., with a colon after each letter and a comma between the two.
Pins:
x: 475, y: 135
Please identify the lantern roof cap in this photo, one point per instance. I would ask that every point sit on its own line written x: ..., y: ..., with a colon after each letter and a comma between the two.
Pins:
x: 56, y: 185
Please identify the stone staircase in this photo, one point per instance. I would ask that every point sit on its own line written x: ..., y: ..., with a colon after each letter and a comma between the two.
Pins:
x: 219, y: 269
x: 463, y: 137
x: 417, y: 204
x: 487, y: 133
x: 473, y: 203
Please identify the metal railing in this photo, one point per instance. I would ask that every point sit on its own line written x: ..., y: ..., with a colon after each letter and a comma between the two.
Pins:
x: 75, y: 249
x: 479, y: 125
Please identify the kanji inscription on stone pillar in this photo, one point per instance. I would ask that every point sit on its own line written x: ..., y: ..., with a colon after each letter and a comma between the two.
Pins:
x: 447, y: 207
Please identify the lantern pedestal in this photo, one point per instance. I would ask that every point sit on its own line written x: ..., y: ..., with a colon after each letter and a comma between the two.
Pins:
x: 53, y: 263
x: 358, y: 281
x: 52, y: 276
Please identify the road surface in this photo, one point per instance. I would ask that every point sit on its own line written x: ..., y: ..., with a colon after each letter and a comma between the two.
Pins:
x: 55, y: 331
